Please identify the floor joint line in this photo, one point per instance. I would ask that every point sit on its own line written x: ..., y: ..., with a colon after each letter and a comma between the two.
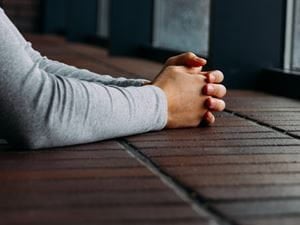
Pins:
x: 198, y: 203
x: 262, y: 124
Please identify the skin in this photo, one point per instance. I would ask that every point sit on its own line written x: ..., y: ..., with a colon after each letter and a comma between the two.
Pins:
x: 192, y: 94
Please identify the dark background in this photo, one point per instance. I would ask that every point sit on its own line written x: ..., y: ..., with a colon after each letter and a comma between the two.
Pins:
x: 246, y: 37
x: 26, y: 14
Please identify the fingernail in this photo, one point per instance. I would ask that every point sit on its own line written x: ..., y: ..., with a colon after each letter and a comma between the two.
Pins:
x: 200, y: 60
x: 210, y: 89
x: 209, y: 116
x: 212, y: 78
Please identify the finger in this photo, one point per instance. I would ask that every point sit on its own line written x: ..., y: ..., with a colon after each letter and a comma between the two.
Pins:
x: 215, y: 90
x: 190, y: 70
x: 192, y: 60
x: 187, y: 59
x: 215, y: 76
x: 209, y: 118
x: 194, y: 71
x: 214, y: 104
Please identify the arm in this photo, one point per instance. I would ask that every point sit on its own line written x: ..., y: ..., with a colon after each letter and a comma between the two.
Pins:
x: 61, y: 69
x: 42, y: 110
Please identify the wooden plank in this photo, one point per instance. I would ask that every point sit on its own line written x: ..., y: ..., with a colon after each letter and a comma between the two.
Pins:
x: 219, y: 143
x: 83, y: 215
x: 261, y: 208
x: 240, y: 150
x: 262, y: 192
x: 275, y: 220
x: 245, y: 171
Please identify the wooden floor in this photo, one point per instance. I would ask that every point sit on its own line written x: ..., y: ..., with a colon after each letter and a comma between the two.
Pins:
x: 244, y: 170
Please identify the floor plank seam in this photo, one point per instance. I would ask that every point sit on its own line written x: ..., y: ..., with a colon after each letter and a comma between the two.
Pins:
x: 277, y: 129
x: 198, y: 203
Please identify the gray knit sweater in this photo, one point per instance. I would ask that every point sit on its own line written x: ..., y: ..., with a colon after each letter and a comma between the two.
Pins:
x: 44, y: 103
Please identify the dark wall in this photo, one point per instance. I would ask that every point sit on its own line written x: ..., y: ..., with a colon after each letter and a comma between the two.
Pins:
x: 55, y: 16
x: 25, y: 14
x: 246, y: 36
x: 130, y: 25
x: 82, y: 19
x: 75, y: 18
x: 130, y: 22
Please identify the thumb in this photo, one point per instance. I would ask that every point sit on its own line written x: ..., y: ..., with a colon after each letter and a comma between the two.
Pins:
x: 195, y: 61
x: 188, y: 59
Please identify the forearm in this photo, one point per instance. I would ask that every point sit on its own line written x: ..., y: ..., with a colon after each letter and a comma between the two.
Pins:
x: 39, y: 109
x: 62, y: 69
x: 50, y: 111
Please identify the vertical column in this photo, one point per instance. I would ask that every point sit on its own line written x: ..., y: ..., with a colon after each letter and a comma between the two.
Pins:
x: 76, y: 18
x: 54, y: 16
x: 130, y: 25
x: 246, y: 36
x: 82, y: 19
x: 103, y: 18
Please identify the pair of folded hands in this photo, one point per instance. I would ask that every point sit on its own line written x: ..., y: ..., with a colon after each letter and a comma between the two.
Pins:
x: 192, y: 94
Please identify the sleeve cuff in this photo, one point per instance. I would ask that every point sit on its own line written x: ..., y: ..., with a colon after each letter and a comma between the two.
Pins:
x: 162, y: 107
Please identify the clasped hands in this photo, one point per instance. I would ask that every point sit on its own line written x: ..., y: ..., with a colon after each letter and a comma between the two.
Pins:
x: 192, y: 94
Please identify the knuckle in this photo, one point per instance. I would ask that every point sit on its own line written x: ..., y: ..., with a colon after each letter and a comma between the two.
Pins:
x: 209, y: 117
x: 170, y: 60
x: 172, y: 70
x: 220, y: 106
x: 219, y: 74
x: 210, y: 121
x: 221, y: 91
x: 199, y: 80
x: 218, y: 92
x: 190, y: 54
x: 223, y: 105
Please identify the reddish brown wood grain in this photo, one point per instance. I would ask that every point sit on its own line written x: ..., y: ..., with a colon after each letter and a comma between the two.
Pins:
x: 243, y: 170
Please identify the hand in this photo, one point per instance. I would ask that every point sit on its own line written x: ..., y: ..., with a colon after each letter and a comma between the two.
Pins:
x: 188, y: 59
x: 214, y: 77
x: 186, y: 103
x: 216, y: 91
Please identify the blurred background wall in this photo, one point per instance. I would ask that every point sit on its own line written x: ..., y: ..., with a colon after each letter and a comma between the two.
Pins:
x: 242, y: 38
x: 26, y: 14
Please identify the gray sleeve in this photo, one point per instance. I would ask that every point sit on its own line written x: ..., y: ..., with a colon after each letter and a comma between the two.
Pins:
x: 61, y: 69
x: 39, y: 109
